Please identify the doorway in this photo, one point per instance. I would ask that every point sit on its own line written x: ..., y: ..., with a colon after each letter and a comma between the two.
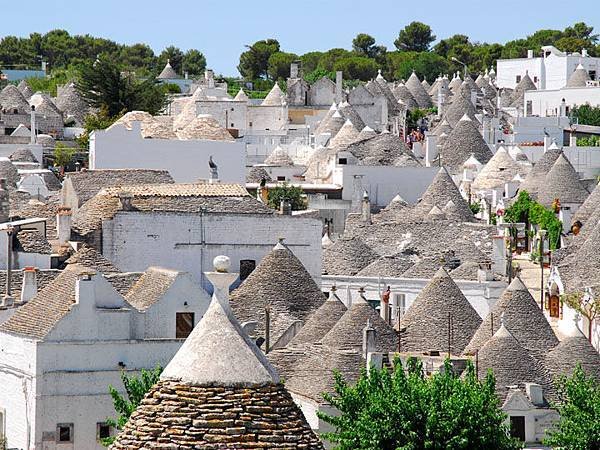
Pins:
x: 517, y: 427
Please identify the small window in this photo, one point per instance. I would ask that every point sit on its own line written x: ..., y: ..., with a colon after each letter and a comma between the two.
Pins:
x: 250, y: 124
x: 247, y: 266
x: 184, y: 324
x: 64, y: 432
x: 535, y: 79
x: 232, y: 109
x: 518, y: 78
x: 529, y: 107
x: 280, y: 178
x: 343, y: 161
x: 103, y: 430
x: 232, y: 125
x: 592, y: 74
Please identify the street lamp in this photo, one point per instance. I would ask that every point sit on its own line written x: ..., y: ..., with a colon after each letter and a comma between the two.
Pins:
x: 542, y: 236
x: 462, y: 63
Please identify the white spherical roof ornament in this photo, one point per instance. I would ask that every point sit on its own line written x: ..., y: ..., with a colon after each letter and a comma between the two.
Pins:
x: 222, y: 263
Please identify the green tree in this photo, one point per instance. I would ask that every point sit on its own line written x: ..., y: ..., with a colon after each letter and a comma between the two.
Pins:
x: 579, y: 409
x: 135, y: 390
x: 329, y: 58
x: 416, y: 37
x: 63, y: 155
x: 137, y: 56
x: 364, y: 45
x: 194, y: 62
x: 405, y: 409
x: 310, y: 61
x: 279, y: 65
x: 295, y: 195
x: 587, y: 114
x: 254, y: 62
x: 99, y: 121
x: 427, y: 65
x: 102, y: 85
x: 582, y: 31
x: 357, y: 68
x: 173, y: 55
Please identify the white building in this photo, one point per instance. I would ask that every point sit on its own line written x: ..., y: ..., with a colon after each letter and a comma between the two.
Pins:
x: 550, y: 71
x: 186, y: 160
x: 185, y: 226
x: 62, y: 349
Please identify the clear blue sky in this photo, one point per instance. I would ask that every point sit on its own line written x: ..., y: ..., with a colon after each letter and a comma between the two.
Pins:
x: 221, y: 28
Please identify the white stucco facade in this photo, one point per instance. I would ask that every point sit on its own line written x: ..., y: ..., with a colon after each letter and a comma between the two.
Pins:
x: 186, y: 160
x: 547, y: 103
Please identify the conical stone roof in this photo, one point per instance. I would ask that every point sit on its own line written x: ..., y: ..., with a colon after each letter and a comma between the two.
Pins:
x: 366, y: 133
x: 347, y: 256
x: 401, y: 92
x: 442, y: 127
x: 281, y: 282
x: 535, y: 178
x: 499, y: 170
x: 425, y: 85
x: 204, y: 127
x: 591, y: 204
x: 25, y: 89
x: 23, y: 155
x: 71, y: 103
x: 440, y: 305
x: 562, y: 182
x: 349, y: 113
x: 518, y: 96
x: 331, y: 124
x: 218, y: 391
x: 9, y: 172
x: 511, y: 363
x: 168, y: 73
x: 419, y: 93
x: 320, y: 322
x: 464, y: 140
x: 275, y: 97
x: 256, y: 174
x: 12, y: 99
x: 572, y: 350
x: 279, y: 157
x: 455, y: 84
x: 578, y: 78
x: 347, y: 333
x: 442, y: 190
x: 347, y: 135
x: 522, y: 315
x: 460, y: 107
x: 241, y: 96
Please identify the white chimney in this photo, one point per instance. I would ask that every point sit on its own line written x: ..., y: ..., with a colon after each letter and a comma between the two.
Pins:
x: 584, y: 52
x: 84, y: 288
x: 294, y: 70
x: 338, y: 87
x: 366, y: 208
x: 63, y: 224
x: 529, y: 54
x: 369, y: 339
x: 29, y: 288
x: 125, y: 199
x: 32, y: 125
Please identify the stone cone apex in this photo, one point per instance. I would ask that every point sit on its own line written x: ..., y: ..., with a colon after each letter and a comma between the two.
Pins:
x: 241, y: 96
x: 218, y: 351
x: 168, y: 72
x: 275, y: 97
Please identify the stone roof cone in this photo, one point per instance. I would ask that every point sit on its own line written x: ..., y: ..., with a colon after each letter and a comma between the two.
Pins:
x: 401, y: 92
x: 523, y: 317
x: 499, y: 170
x: 275, y: 97
x: 241, y: 96
x: 418, y: 91
x: 442, y: 190
x: 281, y: 282
x: 440, y: 304
x: 347, y: 135
x: 220, y: 365
x: 578, y: 78
x: 279, y: 157
x: 349, y: 113
x: 347, y: 256
x: 562, y: 182
x: 535, y: 178
x: 460, y: 107
x: 518, y: 96
x: 512, y: 364
x: 463, y: 141
x: 168, y: 73
x: 591, y: 204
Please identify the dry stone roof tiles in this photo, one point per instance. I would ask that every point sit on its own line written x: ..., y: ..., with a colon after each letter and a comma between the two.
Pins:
x: 347, y: 333
x: 349, y: 113
x: 151, y: 127
x: 498, y: 171
x: 522, y: 315
x: 535, y: 178
x: 591, y: 204
x: 383, y: 150
x: 389, y: 266
x: 581, y: 267
x: 12, y: 99
x: 31, y: 241
x: 150, y: 287
x: 87, y: 183
x: 43, y: 277
x: 440, y: 305
x: 578, y: 78
x: 70, y: 102
x: 281, y: 282
x: 457, y: 110
x: 257, y: 174
x: 39, y: 316
x: 168, y: 73
x: 401, y: 92
x: 347, y: 256
x: 331, y: 124
x: 23, y: 155
x: 204, y: 127
x: 455, y: 83
x: 572, y: 350
x: 442, y: 190
x: 9, y: 172
x: 366, y: 133
x: 241, y: 96
x: 279, y: 157
x: 347, y: 135
x: 464, y: 140
x: 518, y: 96
x: 418, y: 91
x: 562, y: 182
x: 512, y: 364
x: 275, y: 97
x: 89, y: 257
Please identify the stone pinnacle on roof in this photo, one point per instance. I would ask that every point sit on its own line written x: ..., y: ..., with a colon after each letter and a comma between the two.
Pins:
x: 275, y: 97
x: 562, y: 182
x: 439, y: 305
x: 279, y: 157
x: 281, y: 283
x: 419, y: 93
x: 522, y: 316
x: 241, y: 96
x: 463, y: 141
x: 168, y: 73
